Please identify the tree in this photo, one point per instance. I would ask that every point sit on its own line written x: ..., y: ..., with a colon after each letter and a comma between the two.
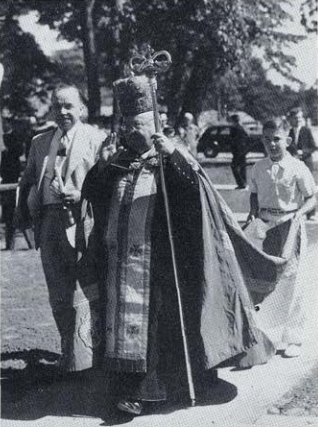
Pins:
x: 206, y: 38
x: 263, y: 99
x: 308, y: 12
x: 75, y: 20
x: 70, y: 62
x: 28, y: 72
x: 90, y: 55
x: 251, y: 91
x: 311, y: 103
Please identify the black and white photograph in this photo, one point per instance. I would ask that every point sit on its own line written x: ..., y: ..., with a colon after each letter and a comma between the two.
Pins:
x: 158, y: 213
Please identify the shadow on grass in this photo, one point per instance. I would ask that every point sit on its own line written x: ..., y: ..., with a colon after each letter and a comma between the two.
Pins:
x: 27, y: 365
x: 22, y: 370
x: 32, y: 390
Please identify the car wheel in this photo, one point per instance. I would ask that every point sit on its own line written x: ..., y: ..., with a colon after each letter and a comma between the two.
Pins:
x: 211, y: 152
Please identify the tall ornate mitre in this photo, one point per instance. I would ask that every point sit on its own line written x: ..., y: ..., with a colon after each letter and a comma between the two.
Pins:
x: 133, y: 95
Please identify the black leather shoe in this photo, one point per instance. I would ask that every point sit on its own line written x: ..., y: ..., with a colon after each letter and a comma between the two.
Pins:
x: 134, y: 408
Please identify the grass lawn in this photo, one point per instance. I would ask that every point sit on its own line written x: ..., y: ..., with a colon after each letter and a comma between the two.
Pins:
x: 26, y: 318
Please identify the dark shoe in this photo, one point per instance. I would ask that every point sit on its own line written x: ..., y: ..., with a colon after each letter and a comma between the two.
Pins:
x: 313, y: 218
x: 134, y: 408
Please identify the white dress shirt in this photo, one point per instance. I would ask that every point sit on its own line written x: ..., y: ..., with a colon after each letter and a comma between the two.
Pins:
x: 281, y: 185
x: 65, y: 141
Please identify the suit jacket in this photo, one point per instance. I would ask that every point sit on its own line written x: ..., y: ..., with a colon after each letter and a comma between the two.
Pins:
x: 239, y: 139
x: 83, y: 154
x: 305, y: 142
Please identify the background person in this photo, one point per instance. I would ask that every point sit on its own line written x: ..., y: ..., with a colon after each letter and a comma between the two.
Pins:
x: 189, y: 132
x: 164, y: 120
x: 238, y: 138
x: 304, y: 144
x: 191, y: 138
x: 50, y: 190
x: 283, y: 189
x: 10, y: 173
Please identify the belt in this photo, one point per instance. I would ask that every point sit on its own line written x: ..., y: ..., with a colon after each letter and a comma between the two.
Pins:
x: 275, y: 211
x: 53, y: 206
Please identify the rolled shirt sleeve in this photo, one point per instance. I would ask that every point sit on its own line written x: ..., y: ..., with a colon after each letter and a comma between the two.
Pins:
x: 305, y: 181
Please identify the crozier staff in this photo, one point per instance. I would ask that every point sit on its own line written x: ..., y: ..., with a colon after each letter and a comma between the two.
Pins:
x: 150, y: 66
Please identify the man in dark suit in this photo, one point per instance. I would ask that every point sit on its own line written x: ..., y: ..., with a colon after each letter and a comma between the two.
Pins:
x: 304, y: 145
x: 238, y: 138
x: 10, y: 170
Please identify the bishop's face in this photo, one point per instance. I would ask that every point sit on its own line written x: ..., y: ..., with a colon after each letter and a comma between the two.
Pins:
x: 138, y: 131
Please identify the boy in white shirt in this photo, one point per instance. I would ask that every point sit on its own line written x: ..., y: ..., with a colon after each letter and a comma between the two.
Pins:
x: 282, y: 188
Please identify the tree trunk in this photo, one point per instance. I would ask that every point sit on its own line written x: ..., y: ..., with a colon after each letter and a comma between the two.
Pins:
x: 177, y: 85
x: 196, y: 88
x: 90, y: 59
x: 116, y: 65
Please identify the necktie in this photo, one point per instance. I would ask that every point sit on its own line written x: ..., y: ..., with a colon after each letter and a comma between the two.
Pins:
x: 63, y: 145
x: 275, y: 169
x: 274, y: 173
x: 296, y: 133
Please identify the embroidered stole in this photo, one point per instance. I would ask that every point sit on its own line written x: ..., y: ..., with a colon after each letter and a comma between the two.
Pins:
x: 128, y: 243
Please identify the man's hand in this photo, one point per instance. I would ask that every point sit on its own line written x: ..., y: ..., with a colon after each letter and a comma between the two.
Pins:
x: 108, y: 147
x: 163, y: 144
x: 68, y: 196
x: 71, y: 196
x: 298, y: 215
x: 55, y: 188
x: 251, y: 217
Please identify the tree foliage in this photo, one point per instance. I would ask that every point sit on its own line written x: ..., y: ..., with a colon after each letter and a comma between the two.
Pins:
x: 252, y: 92
x: 28, y: 73
x: 309, y: 12
x: 206, y: 38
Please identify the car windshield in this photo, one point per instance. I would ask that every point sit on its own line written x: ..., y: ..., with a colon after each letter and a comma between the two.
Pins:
x: 225, y: 131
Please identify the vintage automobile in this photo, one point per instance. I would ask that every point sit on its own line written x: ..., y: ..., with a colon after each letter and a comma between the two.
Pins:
x: 216, y: 139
